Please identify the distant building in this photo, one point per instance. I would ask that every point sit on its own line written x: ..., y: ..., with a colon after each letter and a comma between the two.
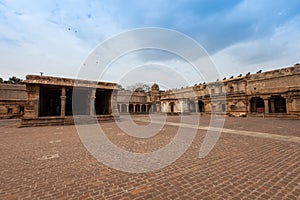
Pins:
x: 54, y: 100
x: 12, y: 100
x: 274, y: 93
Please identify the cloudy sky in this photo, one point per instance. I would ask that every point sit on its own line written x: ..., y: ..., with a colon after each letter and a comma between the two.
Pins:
x: 56, y: 37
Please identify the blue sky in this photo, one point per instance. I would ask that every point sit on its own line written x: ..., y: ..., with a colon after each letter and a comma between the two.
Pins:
x: 56, y: 37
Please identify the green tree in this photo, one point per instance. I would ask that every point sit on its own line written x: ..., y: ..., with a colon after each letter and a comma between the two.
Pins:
x: 13, y: 80
x: 139, y: 87
x: 1, y: 80
x: 120, y: 87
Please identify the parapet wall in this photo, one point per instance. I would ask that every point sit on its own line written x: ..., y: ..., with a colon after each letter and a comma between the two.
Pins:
x: 12, y: 92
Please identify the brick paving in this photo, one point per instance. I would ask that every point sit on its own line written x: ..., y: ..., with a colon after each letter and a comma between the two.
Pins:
x: 51, y: 163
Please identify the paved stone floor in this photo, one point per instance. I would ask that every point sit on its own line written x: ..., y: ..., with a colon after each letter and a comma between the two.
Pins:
x: 254, y: 158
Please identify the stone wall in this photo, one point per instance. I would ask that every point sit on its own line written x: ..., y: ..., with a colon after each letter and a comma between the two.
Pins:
x: 12, y: 100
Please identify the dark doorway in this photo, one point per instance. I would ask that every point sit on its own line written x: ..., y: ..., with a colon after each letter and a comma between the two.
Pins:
x: 172, y: 107
x: 277, y: 104
x: 143, y: 108
x: 201, y: 106
x: 223, y: 107
x: 137, y: 108
x: 131, y: 108
x: 80, y: 101
x: 21, y: 111
x: 257, y: 105
x: 103, y: 101
x: 49, y: 104
x: 148, y: 108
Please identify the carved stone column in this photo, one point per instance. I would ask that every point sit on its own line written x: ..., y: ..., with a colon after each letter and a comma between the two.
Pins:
x: 266, y: 103
x: 92, y: 101
x: 196, y: 106
x: 114, y: 104
x: 63, y: 102
x: 288, y: 105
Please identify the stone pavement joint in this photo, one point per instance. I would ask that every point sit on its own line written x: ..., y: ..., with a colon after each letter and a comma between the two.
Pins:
x: 230, y: 131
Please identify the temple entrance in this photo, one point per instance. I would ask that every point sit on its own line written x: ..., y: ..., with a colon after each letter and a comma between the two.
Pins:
x: 143, y: 108
x: 49, y: 101
x: 131, y: 108
x: 201, y: 106
x: 277, y: 104
x: 102, y: 102
x: 257, y: 105
x: 137, y: 108
x: 172, y: 107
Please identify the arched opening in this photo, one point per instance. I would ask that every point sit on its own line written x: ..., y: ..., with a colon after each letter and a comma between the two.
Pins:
x: 277, y: 104
x: 131, y: 108
x: 192, y: 107
x: 103, y: 102
x: 257, y: 105
x: 137, y: 108
x: 201, y: 106
x: 123, y: 108
x: 50, y: 103
x: 143, y: 108
x: 223, y: 106
x: 148, y: 108
x: 172, y: 107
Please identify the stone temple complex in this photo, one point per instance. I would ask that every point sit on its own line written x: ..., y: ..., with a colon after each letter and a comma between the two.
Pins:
x: 50, y: 100
x: 272, y: 93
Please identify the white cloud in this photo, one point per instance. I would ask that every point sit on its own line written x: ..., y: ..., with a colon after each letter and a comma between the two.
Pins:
x: 279, y: 50
x: 33, y: 39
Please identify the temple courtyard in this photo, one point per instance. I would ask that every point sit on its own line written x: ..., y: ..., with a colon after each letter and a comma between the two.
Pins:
x: 254, y: 158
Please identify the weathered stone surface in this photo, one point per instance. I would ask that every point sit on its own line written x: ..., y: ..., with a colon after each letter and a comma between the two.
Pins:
x: 248, y: 162
x: 274, y: 93
x: 12, y: 100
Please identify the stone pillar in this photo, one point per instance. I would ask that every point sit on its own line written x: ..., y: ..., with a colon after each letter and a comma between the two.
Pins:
x: 134, y: 107
x: 114, y: 104
x: 249, y: 106
x: 127, y: 108
x: 196, y: 106
x: 288, y: 105
x: 266, y: 103
x: 63, y: 102
x: 92, y: 101
x: 158, y: 108
x: 31, y: 109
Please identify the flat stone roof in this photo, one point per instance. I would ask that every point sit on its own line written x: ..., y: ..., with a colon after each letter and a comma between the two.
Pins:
x: 59, y: 81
